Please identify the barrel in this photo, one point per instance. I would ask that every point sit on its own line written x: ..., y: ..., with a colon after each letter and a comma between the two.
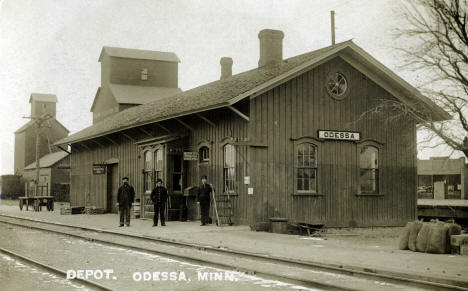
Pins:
x: 136, y: 208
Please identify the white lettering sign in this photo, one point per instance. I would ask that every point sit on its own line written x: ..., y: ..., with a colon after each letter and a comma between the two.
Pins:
x: 339, y: 135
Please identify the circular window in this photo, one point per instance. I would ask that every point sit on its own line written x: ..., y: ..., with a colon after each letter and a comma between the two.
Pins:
x: 337, y: 85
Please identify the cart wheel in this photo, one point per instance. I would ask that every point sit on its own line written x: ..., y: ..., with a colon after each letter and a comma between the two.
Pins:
x: 27, y: 205
x: 21, y: 204
x: 51, y: 205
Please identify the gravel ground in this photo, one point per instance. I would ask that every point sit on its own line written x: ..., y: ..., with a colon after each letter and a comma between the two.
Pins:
x: 75, y: 254
x: 374, y: 248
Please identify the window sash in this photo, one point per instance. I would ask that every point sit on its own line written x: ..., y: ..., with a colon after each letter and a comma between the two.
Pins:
x: 369, y: 175
x: 229, y: 177
x: 306, y: 168
x: 369, y: 180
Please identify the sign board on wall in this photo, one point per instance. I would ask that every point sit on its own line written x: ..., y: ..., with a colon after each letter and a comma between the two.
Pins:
x: 99, y: 169
x: 190, y: 156
x: 339, y: 135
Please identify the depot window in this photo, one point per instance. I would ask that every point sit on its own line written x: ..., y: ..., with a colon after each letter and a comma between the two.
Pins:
x: 369, y: 175
x: 204, y: 154
x: 148, y: 167
x: 306, y: 168
x: 229, y: 170
x: 158, y: 165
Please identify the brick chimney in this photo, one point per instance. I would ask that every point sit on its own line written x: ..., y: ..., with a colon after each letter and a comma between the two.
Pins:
x: 226, y: 67
x: 271, y: 46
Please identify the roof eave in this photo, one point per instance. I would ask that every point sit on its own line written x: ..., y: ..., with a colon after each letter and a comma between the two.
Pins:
x: 69, y: 142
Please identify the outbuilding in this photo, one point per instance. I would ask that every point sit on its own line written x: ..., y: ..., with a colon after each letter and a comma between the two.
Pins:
x: 286, y: 139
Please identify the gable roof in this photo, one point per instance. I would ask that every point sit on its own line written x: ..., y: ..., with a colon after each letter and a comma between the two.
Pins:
x: 48, y: 160
x: 43, y: 97
x: 130, y: 94
x: 138, y: 54
x: 32, y: 122
x: 251, y: 83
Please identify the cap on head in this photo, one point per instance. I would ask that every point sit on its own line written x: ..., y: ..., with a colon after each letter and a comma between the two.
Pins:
x: 125, y: 178
x: 204, y: 177
x: 159, y: 181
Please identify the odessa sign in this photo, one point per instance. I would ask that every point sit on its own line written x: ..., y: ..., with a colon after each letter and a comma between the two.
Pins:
x: 339, y: 135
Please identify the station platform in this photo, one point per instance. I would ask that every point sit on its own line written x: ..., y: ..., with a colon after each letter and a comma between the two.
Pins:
x: 366, y: 248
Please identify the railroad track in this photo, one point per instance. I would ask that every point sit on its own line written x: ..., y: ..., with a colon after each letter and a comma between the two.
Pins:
x: 53, y: 270
x: 357, y: 277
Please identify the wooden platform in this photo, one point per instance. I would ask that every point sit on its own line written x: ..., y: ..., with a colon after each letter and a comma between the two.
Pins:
x: 443, y: 208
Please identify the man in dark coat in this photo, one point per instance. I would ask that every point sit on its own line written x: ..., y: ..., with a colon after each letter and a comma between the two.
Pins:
x: 125, y: 198
x: 159, y: 198
x: 204, y: 198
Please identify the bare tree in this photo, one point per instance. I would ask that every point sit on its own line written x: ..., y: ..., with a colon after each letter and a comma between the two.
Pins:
x: 434, y: 44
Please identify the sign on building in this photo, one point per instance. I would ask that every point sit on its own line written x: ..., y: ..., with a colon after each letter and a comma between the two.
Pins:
x: 99, y: 169
x: 190, y: 156
x: 339, y: 135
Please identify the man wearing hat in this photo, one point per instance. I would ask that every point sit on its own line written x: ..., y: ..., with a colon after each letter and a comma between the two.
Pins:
x: 204, y: 198
x: 159, y: 198
x: 125, y: 198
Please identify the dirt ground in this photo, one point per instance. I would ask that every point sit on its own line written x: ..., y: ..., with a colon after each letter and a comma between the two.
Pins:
x: 365, y: 248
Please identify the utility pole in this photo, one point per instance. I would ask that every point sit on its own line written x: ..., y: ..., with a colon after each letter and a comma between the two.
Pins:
x: 332, y: 16
x: 39, y: 122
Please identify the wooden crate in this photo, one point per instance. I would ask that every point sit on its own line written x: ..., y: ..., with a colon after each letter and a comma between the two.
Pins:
x: 464, y: 250
x: 65, y: 211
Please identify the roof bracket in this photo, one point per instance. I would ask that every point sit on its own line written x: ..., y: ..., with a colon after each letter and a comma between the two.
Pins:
x: 206, y: 119
x: 127, y: 136
x: 111, y: 140
x: 145, y: 131
x: 184, y: 124
x: 163, y: 127
x: 237, y: 111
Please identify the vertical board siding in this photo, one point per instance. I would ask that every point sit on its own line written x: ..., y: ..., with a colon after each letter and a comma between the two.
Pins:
x: 299, y: 108
x: 229, y: 127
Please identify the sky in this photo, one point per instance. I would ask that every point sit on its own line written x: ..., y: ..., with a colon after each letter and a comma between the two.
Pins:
x: 52, y: 46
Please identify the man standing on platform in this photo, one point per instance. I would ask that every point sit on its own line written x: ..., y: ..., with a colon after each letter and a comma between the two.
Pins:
x: 159, y: 198
x: 125, y: 198
x: 204, y: 198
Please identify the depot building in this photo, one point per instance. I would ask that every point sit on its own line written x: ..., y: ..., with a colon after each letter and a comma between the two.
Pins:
x: 286, y: 139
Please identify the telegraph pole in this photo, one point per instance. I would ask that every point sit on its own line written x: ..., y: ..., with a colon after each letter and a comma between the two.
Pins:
x: 39, y: 122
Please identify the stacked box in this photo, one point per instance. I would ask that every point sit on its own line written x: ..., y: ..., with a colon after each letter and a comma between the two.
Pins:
x: 464, y: 250
x: 65, y: 211
x: 457, y: 241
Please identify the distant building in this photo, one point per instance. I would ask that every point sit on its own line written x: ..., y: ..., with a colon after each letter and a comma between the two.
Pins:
x: 132, y: 77
x: 25, y: 136
x: 54, y: 176
x: 442, y: 178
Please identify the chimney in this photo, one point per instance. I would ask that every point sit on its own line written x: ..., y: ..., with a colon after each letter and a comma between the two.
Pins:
x: 226, y: 67
x: 271, y: 46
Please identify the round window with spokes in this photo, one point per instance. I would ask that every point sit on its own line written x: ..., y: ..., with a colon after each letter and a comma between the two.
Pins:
x: 337, y: 85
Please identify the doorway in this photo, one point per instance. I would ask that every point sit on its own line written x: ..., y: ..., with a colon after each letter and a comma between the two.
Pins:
x: 112, y: 187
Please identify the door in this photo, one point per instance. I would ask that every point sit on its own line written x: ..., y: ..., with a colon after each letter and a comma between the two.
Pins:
x: 176, y: 185
x: 112, y: 187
